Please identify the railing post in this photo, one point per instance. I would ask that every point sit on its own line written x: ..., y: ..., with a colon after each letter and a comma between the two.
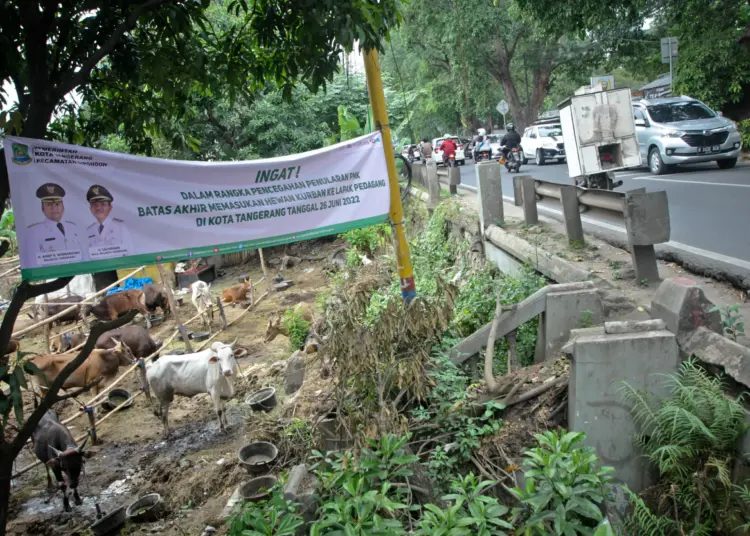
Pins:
x: 490, y: 194
x: 530, y: 215
x: 572, y: 214
x: 647, y: 223
x: 517, y: 191
x: 433, y: 185
x: 454, y: 179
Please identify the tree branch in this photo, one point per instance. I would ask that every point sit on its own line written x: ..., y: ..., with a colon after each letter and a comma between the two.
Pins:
x: 82, y: 74
x: 51, y: 397
x: 79, y: 391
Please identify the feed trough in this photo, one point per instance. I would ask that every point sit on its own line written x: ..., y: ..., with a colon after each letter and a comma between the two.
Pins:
x: 263, y: 400
x: 156, y: 319
x: 148, y: 508
x: 109, y: 523
x: 199, y: 335
x: 117, y: 397
x: 257, y: 457
x: 258, y: 488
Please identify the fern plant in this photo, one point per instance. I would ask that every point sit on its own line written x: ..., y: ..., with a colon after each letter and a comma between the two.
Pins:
x: 691, y: 437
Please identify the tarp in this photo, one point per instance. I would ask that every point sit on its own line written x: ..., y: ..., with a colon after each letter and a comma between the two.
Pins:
x: 81, y: 210
x: 131, y: 283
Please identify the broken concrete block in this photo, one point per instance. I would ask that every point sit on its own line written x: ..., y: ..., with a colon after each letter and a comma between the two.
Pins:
x: 296, y: 476
x: 566, y: 311
x: 601, y: 363
x: 633, y: 326
x: 295, y: 373
x: 680, y: 302
x: 717, y: 350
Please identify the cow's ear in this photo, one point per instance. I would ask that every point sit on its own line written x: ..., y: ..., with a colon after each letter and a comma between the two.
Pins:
x: 213, y: 359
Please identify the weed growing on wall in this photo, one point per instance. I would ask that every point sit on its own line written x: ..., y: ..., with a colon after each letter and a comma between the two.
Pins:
x: 298, y: 328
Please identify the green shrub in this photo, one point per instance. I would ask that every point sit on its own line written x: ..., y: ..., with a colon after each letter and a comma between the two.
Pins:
x: 692, y: 439
x: 298, y: 328
x: 273, y: 517
x: 367, y: 239
x: 744, y: 128
x: 564, y: 487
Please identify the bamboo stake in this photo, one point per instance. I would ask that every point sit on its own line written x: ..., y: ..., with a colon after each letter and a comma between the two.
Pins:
x: 46, y: 326
x: 10, y: 271
x: 69, y: 309
x: 9, y: 260
x: 173, y: 307
x: 263, y: 267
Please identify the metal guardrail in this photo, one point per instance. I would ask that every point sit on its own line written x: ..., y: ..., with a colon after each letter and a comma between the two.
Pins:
x: 589, y: 198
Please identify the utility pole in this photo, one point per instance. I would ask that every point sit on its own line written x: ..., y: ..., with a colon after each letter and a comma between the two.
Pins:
x: 380, y: 116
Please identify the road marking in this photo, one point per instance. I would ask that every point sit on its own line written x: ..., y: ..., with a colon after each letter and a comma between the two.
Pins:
x: 647, y: 178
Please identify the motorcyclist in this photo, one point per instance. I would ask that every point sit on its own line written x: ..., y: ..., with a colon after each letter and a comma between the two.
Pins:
x: 426, y: 149
x: 511, y: 140
x: 449, y: 149
x: 478, y: 141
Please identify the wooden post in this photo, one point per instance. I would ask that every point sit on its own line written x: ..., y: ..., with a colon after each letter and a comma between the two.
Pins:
x: 46, y: 326
x: 172, y: 305
x: 221, y: 311
x: 263, y: 267
x: 92, y: 422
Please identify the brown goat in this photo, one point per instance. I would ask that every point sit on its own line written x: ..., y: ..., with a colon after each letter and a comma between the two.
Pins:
x: 276, y: 326
x: 100, y: 363
x: 237, y: 293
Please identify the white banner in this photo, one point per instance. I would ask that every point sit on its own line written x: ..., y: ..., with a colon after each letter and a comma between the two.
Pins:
x: 80, y: 210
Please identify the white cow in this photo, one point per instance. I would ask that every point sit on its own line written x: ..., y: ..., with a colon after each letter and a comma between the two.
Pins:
x: 209, y: 371
x: 202, y: 302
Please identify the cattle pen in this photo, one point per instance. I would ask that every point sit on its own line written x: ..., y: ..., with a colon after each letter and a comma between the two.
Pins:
x: 87, y: 408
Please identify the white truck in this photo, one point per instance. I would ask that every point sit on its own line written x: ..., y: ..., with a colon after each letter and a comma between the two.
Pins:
x: 599, y: 135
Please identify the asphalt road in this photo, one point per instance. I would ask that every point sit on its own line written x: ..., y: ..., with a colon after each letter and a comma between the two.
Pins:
x: 709, y: 208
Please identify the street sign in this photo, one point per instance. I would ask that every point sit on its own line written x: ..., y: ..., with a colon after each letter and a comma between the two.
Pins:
x: 502, y: 107
x: 668, y: 49
x: 607, y: 82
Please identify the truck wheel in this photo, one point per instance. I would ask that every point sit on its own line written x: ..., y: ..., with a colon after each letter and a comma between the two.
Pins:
x: 539, y: 157
x: 524, y: 160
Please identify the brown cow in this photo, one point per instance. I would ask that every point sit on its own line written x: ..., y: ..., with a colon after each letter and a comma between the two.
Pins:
x: 156, y: 296
x: 100, y: 363
x: 37, y: 309
x: 134, y: 337
x: 276, y: 326
x: 114, y: 305
x: 237, y: 293
x: 65, y: 341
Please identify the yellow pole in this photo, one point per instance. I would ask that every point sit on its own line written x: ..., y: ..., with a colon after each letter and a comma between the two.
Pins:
x: 380, y: 116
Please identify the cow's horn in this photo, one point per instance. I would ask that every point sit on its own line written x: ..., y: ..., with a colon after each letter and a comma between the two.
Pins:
x: 234, y: 341
x: 56, y: 452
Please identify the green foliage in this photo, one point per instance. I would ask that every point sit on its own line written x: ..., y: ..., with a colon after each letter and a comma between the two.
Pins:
x: 471, y: 514
x: 731, y: 321
x: 273, y: 517
x: 475, y: 304
x: 367, y: 239
x: 564, y: 487
x: 8, y: 232
x: 691, y: 437
x: 348, y: 125
x: 586, y: 318
x: 744, y: 128
x: 297, y: 326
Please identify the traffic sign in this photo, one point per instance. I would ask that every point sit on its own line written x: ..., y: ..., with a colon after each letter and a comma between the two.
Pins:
x: 668, y: 49
x: 502, y: 107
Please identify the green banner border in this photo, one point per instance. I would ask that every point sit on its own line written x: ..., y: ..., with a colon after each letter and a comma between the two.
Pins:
x: 88, y: 267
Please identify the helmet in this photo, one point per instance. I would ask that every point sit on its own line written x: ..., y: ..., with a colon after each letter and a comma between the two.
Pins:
x: 481, y: 132
x: 510, y: 127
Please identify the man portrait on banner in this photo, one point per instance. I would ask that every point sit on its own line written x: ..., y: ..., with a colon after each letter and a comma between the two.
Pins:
x: 107, y: 236
x: 53, y: 233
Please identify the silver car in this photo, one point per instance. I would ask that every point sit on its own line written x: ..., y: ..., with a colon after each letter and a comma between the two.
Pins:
x: 683, y: 130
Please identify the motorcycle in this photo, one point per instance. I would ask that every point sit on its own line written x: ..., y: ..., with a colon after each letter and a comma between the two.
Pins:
x: 598, y: 181
x: 513, y: 160
x: 451, y: 162
x: 482, y: 151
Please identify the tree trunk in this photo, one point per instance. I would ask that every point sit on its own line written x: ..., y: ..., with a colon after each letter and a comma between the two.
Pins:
x: 502, y: 75
x: 6, y: 468
x: 466, y: 118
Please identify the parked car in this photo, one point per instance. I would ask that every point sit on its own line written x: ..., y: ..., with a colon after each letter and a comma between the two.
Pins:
x: 437, y: 154
x: 543, y: 143
x: 683, y: 130
x: 467, y: 147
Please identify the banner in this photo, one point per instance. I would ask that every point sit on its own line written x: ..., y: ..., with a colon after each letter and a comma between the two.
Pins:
x: 80, y: 210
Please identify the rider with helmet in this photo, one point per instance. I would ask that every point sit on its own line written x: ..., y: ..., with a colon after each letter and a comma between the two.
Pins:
x: 511, y: 140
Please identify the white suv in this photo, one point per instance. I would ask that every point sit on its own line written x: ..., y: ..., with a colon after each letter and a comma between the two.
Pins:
x: 437, y: 154
x: 683, y: 130
x: 543, y: 143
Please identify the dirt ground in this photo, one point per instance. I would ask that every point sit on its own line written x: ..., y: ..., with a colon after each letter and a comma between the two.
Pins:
x: 196, y: 470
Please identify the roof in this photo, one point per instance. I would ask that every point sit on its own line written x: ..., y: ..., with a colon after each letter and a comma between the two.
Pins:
x: 663, y: 80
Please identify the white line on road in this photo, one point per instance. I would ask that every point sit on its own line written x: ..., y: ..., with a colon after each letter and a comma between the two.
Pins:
x: 648, y: 178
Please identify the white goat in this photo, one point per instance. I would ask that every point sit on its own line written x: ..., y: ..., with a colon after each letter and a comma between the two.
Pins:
x: 202, y: 302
